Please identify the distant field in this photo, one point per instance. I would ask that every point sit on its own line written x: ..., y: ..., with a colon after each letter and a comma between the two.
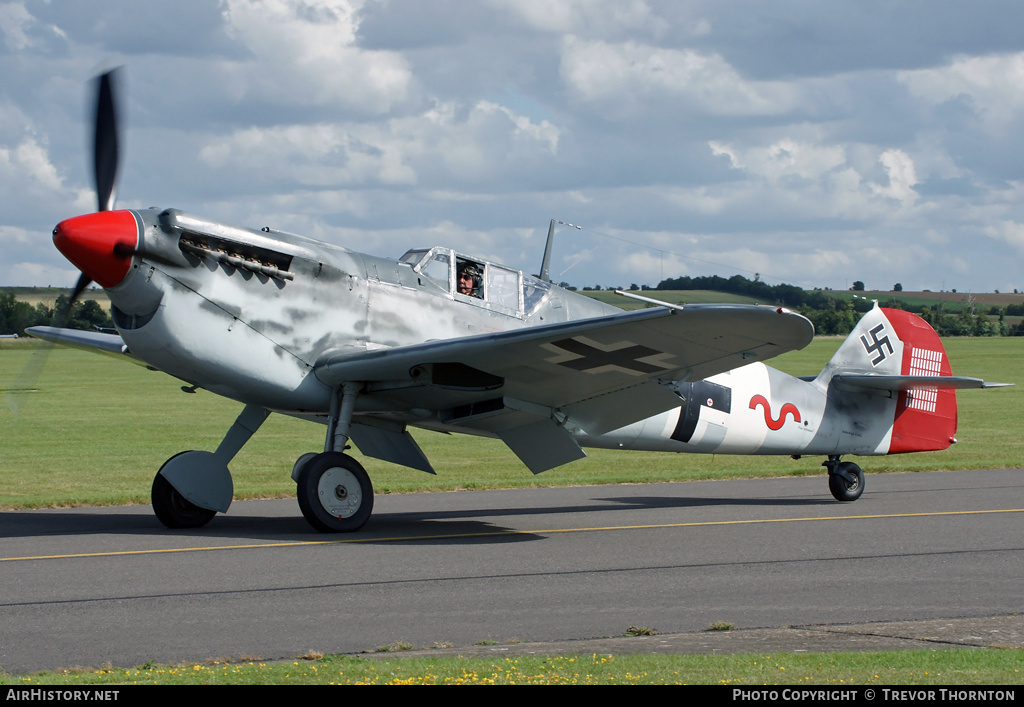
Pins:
x: 670, y: 296
x: 917, y: 299
x: 95, y: 431
x: 955, y: 300
x: 49, y: 295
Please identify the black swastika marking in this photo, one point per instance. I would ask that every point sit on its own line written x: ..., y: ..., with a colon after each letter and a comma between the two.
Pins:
x: 875, y: 347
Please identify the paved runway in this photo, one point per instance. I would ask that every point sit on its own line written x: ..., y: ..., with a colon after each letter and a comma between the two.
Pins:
x: 82, y: 587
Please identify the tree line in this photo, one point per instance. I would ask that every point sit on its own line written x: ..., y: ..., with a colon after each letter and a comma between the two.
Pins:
x: 829, y: 313
x: 17, y: 315
x: 838, y: 315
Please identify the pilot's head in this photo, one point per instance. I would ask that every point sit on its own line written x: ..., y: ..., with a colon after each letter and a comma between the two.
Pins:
x: 470, y: 280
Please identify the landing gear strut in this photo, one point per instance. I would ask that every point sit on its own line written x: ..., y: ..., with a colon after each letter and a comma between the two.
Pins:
x: 845, y: 479
x: 334, y: 491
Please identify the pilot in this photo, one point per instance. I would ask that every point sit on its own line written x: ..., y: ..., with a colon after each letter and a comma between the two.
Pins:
x: 470, y: 280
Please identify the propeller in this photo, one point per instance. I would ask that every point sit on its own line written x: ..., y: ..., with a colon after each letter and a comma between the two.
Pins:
x: 105, y: 144
x: 105, y: 160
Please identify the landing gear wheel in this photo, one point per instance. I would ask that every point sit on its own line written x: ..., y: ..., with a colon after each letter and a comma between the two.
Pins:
x: 335, y: 493
x: 174, y: 510
x: 842, y: 489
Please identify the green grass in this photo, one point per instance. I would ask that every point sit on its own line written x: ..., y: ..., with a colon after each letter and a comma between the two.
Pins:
x: 922, y: 667
x: 97, y: 430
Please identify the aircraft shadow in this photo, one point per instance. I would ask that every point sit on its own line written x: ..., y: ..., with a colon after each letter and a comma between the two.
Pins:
x: 447, y: 526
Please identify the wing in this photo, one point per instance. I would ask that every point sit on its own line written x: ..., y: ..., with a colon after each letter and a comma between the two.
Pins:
x: 527, y: 385
x: 94, y: 341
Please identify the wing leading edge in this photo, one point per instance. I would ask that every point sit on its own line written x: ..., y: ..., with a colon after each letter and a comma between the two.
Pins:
x: 528, y: 386
x: 94, y: 341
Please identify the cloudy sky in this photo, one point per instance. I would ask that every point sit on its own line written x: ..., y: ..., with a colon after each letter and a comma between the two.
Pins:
x: 810, y: 142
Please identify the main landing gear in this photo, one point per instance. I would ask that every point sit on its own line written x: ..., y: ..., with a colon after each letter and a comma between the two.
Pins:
x: 334, y: 491
x: 845, y: 479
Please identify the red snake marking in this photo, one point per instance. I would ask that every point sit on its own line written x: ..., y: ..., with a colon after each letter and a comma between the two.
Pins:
x: 773, y: 424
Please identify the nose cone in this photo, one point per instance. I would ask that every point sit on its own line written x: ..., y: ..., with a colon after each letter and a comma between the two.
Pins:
x: 100, y: 244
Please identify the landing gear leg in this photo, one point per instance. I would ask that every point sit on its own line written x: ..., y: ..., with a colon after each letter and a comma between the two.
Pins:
x: 192, y: 486
x: 845, y: 479
x: 334, y: 491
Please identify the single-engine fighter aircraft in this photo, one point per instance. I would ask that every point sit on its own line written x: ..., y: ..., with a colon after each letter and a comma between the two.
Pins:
x: 452, y: 342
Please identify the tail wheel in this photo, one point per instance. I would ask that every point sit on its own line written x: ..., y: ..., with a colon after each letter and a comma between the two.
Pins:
x: 847, y: 482
x: 174, y: 510
x: 335, y: 493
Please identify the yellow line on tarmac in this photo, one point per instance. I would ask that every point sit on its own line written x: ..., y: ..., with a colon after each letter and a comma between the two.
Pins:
x: 549, y: 531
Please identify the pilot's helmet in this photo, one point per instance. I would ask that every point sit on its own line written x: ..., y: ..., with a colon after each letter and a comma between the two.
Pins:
x: 475, y: 272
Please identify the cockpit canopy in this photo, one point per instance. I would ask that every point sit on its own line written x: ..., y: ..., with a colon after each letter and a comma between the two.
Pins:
x: 493, y: 286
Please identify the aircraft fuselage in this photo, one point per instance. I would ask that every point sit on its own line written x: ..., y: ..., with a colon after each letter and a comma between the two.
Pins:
x: 246, y: 312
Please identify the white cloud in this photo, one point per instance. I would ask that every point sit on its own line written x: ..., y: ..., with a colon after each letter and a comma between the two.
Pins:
x: 1009, y: 232
x: 14, y: 19
x: 902, y: 176
x: 629, y: 76
x: 12, y: 237
x: 443, y: 142
x: 786, y: 157
x: 573, y: 16
x: 305, y: 52
x: 816, y: 180
x: 650, y: 268
x: 16, y: 274
x: 382, y: 124
x: 994, y: 85
x: 31, y: 161
x: 27, y: 174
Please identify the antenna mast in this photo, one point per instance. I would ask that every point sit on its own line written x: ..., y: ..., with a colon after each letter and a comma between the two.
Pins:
x: 546, y: 262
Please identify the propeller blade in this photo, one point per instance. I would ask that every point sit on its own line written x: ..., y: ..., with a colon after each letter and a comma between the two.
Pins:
x: 105, y: 162
x: 29, y: 376
x: 105, y: 146
x: 62, y: 317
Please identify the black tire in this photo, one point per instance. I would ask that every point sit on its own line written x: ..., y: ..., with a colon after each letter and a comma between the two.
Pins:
x: 842, y: 490
x: 335, y: 493
x: 174, y: 510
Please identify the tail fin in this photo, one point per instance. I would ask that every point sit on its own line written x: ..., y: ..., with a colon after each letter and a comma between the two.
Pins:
x: 896, y: 351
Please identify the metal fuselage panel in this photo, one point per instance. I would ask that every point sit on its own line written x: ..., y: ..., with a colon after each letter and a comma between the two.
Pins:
x: 759, y: 410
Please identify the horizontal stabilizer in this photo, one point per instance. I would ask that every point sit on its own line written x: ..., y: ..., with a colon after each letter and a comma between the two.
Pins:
x: 880, y: 382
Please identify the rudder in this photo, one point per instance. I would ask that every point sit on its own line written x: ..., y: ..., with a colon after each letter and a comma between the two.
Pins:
x: 888, y: 344
x: 926, y: 418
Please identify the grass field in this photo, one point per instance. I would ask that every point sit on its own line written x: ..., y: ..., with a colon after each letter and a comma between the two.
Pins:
x: 806, y: 670
x: 95, y: 431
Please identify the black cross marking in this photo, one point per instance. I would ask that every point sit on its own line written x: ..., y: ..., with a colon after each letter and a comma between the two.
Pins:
x: 591, y: 358
x: 875, y: 347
